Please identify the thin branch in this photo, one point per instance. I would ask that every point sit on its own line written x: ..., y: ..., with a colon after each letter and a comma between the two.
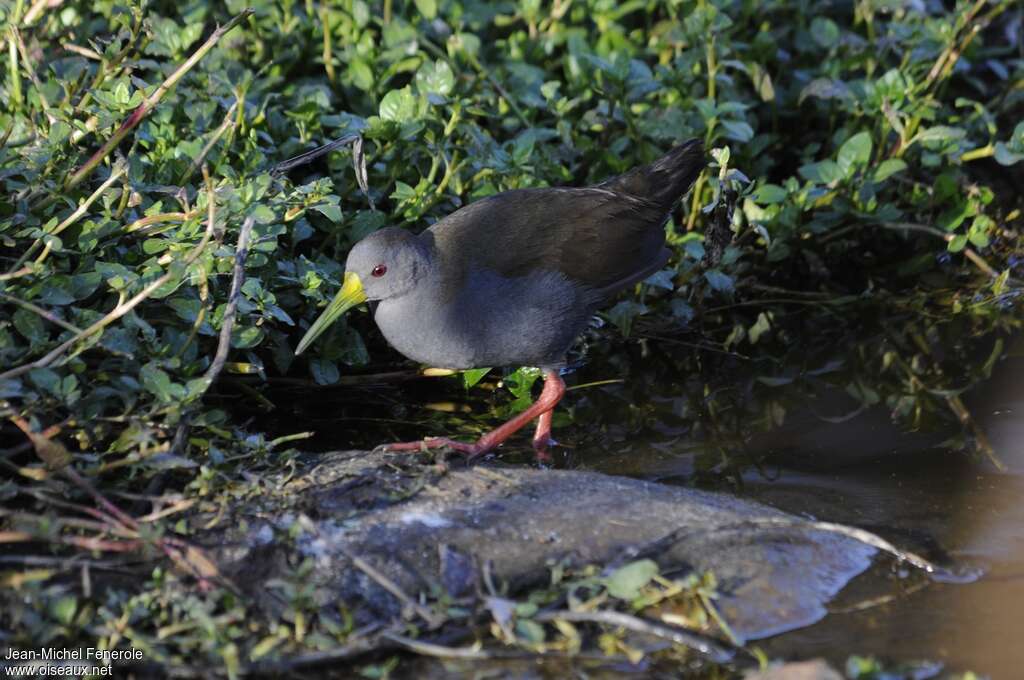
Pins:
x: 355, y: 647
x: 969, y: 252
x: 49, y: 316
x: 387, y: 584
x: 859, y: 535
x: 115, y: 173
x: 83, y: 51
x: 712, y: 649
x: 24, y: 271
x: 310, y: 156
x: 229, y: 122
x: 435, y: 650
x: 37, y: 8
x: 150, y: 102
x: 144, y: 223
x: 237, y: 279
x: 31, y: 71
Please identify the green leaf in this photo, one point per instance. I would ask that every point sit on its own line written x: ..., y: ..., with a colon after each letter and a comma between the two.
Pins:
x: 980, y: 228
x: 766, y: 194
x: 329, y: 210
x: 152, y: 246
x: 760, y: 327
x: 324, y: 372
x: 854, y: 153
x: 823, y: 172
x: 398, y: 106
x: 63, y: 609
x: 157, y: 382
x: 958, y: 243
x: 428, y: 8
x: 473, y: 376
x: 825, y: 88
x: 435, y: 77
x: 242, y: 338
x: 825, y: 32
x: 623, y: 314
x: 999, y: 285
x: 762, y: 81
x: 738, y: 130
x: 520, y: 382
x: 626, y: 582
x: 664, y: 279
x: 940, y: 133
x: 30, y: 325
x: 718, y: 281
x: 978, y: 238
x: 887, y: 169
x: 1004, y: 156
x: 361, y: 74
x: 953, y: 217
x: 46, y: 379
x: 530, y: 630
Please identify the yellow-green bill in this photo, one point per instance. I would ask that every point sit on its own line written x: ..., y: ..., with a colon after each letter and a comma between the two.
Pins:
x: 350, y: 295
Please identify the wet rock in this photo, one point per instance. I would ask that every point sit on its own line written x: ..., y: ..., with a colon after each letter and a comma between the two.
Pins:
x: 427, y: 529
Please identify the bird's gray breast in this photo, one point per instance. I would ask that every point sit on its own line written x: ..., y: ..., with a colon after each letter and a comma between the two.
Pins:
x: 487, y: 320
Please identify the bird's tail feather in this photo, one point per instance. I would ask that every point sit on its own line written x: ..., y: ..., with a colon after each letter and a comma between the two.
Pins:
x: 664, y: 181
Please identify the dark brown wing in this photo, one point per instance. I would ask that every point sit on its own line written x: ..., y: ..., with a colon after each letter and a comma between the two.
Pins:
x: 593, y: 236
x: 603, y: 237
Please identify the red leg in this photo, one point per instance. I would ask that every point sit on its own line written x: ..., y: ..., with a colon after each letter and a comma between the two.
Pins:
x: 542, y: 435
x: 554, y: 390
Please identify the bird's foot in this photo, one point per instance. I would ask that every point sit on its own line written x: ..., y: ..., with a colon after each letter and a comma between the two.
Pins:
x: 471, y: 451
x: 540, y: 449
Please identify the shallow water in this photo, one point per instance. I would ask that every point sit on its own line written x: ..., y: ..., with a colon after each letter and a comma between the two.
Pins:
x: 948, y: 505
x: 960, y: 506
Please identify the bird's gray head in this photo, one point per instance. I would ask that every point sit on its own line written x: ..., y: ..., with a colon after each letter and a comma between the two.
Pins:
x: 388, y: 263
x: 385, y: 264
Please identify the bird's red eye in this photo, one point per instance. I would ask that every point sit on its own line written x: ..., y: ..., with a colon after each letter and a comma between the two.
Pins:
x: 379, y: 270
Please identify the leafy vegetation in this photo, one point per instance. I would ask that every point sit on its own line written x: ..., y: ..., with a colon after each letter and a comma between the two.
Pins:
x: 148, y: 252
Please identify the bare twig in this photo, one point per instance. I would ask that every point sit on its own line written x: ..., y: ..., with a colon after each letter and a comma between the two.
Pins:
x: 144, y: 224
x: 358, y: 161
x: 712, y: 649
x: 969, y: 252
x: 229, y: 122
x: 83, y: 51
x: 37, y: 9
x: 857, y: 534
x: 31, y: 71
x: 24, y: 271
x: 310, y: 156
x: 237, y: 279
x: 432, y: 619
x: 41, y: 312
x: 435, y: 650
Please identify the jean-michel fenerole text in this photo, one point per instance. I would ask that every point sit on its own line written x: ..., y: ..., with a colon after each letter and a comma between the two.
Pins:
x: 86, y: 654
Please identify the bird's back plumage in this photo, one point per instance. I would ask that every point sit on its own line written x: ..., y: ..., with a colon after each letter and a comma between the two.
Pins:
x: 602, y: 238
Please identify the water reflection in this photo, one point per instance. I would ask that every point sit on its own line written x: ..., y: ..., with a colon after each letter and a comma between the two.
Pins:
x: 942, y: 503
